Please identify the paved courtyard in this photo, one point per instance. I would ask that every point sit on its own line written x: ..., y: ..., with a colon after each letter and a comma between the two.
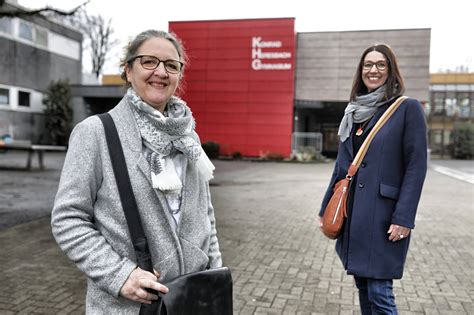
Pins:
x: 266, y: 214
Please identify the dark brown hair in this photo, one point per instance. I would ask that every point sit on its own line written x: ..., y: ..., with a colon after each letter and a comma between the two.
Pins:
x: 394, y: 83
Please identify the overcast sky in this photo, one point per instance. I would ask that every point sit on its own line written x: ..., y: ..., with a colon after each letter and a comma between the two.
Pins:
x: 451, y: 22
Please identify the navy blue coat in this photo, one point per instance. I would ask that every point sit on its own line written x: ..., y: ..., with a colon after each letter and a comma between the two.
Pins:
x: 386, y: 190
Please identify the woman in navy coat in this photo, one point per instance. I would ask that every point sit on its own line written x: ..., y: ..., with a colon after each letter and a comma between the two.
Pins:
x: 385, y: 192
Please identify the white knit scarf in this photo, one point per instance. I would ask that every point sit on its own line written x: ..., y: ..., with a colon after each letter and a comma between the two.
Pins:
x: 361, y: 109
x: 163, y: 135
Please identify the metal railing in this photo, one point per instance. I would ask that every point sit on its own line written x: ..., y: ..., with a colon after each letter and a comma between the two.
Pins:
x: 307, y: 145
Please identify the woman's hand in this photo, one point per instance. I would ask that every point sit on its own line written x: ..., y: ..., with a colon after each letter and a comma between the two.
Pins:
x: 397, y: 232
x: 139, y: 280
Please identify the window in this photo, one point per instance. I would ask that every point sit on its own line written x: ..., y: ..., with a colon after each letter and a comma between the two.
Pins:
x: 26, y: 31
x: 42, y: 37
x: 5, y: 25
x: 438, y: 103
x: 23, y: 98
x: 464, y: 106
x: 471, y: 101
x: 450, y: 104
x: 4, y: 96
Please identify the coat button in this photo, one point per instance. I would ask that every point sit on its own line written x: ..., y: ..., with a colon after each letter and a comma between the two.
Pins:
x: 361, y: 185
x: 363, y: 164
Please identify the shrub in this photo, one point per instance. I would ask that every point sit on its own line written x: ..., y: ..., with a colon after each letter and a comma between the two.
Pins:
x: 306, y: 154
x: 237, y: 155
x: 271, y: 156
x: 211, y: 148
x: 58, y: 112
x: 463, y: 140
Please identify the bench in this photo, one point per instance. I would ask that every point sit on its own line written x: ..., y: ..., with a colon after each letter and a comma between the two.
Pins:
x: 31, y: 149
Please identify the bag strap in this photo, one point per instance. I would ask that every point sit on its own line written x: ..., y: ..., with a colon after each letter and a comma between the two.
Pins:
x: 127, y: 198
x: 365, y: 146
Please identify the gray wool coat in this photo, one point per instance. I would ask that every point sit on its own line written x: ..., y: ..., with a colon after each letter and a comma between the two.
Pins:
x: 89, y: 225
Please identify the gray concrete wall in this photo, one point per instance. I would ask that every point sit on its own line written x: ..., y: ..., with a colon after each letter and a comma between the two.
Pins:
x: 25, y: 66
x: 326, y: 61
x: 44, y: 22
x: 23, y: 126
x: 29, y: 67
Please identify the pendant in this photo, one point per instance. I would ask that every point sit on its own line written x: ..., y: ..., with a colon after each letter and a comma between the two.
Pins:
x: 359, y: 132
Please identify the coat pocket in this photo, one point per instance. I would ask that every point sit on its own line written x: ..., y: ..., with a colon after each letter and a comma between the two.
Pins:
x: 168, y: 267
x: 195, y: 258
x: 389, y: 191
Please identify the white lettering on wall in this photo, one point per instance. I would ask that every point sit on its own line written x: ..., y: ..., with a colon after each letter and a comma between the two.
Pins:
x: 258, y: 65
x: 258, y: 55
x: 257, y: 42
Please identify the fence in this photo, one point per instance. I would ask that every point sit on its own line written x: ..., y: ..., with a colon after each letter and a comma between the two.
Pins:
x: 307, y: 145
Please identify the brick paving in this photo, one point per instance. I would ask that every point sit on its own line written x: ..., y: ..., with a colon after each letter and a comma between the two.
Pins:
x: 281, y: 263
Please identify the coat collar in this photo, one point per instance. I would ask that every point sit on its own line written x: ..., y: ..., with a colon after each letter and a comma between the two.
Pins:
x: 126, y: 125
x: 130, y: 134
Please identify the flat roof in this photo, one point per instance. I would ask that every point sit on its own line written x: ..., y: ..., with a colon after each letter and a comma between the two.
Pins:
x: 452, y: 78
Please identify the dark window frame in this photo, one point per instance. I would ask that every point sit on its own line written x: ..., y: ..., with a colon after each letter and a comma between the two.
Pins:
x: 22, y: 96
x: 6, y: 95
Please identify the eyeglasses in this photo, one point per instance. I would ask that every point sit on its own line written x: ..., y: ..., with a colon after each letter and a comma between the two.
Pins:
x: 380, y: 65
x: 151, y: 63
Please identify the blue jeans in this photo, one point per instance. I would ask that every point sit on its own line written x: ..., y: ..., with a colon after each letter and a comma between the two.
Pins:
x: 375, y: 296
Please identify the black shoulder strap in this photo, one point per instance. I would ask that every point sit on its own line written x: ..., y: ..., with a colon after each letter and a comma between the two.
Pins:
x: 127, y: 197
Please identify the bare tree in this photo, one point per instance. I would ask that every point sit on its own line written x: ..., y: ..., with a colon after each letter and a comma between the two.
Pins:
x: 13, y: 11
x: 97, y: 38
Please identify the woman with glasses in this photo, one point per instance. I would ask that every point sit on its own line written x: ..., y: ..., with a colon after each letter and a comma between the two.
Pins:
x: 385, y: 192
x: 169, y: 174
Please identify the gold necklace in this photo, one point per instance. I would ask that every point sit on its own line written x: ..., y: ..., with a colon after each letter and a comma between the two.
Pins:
x: 360, y: 130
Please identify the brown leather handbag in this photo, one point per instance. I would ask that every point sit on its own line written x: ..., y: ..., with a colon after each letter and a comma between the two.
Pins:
x: 336, y: 209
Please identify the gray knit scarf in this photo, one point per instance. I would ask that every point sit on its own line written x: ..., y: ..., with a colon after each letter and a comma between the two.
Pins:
x: 164, y: 135
x: 361, y: 109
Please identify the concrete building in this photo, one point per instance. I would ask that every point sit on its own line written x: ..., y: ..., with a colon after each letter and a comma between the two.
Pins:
x: 325, y: 66
x: 451, y: 102
x: 255, y: 85
x: 251, y: 110
x: 33, y: 52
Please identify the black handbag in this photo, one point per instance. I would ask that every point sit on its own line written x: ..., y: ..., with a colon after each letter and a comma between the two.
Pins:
x: 202, y: 292
x: 207, y: 292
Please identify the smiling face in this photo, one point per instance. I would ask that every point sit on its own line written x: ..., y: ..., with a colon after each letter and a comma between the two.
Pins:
x: 374, y: 70
x: 155, y: 87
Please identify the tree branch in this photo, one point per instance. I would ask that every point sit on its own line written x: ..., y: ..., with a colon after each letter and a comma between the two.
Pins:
x: 23, y: 13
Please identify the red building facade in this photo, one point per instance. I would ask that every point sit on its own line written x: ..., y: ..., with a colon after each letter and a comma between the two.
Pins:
x: 239, y: 82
